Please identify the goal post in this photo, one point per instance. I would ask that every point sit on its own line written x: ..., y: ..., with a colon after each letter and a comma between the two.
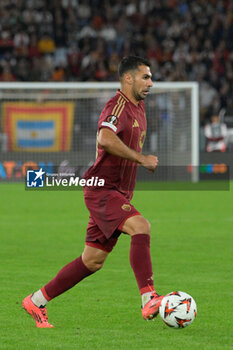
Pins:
x: 56, y: 122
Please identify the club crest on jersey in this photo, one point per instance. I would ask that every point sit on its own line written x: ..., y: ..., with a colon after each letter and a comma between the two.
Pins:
x: 111, y: 121
x: 142, y: 138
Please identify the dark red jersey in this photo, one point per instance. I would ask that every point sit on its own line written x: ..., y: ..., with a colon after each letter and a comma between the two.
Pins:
x: 128, y: 121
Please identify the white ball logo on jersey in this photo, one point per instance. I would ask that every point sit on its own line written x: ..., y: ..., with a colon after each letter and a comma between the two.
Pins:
x: 111, y: 121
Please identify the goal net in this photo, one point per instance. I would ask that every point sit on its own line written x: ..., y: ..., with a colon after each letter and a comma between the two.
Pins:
x: 54, y: 124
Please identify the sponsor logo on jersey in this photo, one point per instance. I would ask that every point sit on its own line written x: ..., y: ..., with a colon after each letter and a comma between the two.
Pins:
x: 135, y: 124
x: 126, y: 207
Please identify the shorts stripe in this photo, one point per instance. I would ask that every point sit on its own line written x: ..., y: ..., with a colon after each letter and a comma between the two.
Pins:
x: 122, y: 223
x: 99, y: 246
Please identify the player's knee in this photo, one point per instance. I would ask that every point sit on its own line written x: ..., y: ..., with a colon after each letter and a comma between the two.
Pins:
x: 98, y: 265
x: 142, y: 227
x: 146, y: 227
x: 93, y: 258
x: 94, y: 264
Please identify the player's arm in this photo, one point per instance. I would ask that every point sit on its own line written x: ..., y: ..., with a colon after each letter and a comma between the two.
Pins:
x: 112, y: 144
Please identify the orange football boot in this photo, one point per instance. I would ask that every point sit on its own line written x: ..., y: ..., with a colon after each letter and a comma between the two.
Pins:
x: 151, y: 309
x: 38, y: 313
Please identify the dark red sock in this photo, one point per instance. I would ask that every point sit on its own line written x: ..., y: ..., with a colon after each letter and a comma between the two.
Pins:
x: 66, y: 278
x: 140, y: 261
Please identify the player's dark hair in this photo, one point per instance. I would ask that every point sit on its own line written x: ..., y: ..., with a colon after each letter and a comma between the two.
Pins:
x: 129, y: 63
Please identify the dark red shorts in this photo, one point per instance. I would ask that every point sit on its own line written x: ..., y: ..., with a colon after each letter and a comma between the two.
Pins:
x: 108, y: 209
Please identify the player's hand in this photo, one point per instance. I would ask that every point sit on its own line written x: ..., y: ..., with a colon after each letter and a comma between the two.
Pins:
x: 149, y: 162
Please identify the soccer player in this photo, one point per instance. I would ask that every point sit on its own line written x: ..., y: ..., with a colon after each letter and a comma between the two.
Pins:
x: 120, y: 138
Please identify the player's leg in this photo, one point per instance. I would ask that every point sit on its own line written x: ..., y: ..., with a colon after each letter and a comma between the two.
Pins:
x: 140, y: 259
x: 94, y: 258
x: 91, y: 260
x: 120, y: 215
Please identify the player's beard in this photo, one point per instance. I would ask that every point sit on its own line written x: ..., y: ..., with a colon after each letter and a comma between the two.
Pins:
x: 137, y: 95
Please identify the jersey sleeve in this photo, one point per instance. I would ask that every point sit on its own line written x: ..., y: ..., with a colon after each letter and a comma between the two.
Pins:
x: 113, y: 116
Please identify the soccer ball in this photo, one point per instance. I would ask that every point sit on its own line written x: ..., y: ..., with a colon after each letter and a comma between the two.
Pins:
x: 178, y: 309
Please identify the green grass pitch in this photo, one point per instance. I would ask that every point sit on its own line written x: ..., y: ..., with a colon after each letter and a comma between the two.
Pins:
x: 191, y: 246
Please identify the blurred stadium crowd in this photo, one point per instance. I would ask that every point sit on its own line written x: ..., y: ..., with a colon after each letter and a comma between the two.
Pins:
x: 83, y: 40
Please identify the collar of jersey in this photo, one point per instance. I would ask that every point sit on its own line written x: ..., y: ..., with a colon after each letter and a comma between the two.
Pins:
x: 119, y: 92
